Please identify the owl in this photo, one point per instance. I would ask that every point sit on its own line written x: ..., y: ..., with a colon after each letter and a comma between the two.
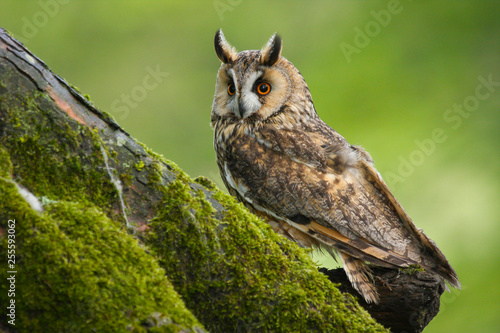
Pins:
x: 286, y: 165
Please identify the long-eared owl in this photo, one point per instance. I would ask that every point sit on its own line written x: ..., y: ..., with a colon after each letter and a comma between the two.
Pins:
x: 286, y: 165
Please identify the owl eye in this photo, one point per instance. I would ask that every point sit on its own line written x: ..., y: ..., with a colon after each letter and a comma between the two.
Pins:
x: 264, y: 88
x: 231, y: 89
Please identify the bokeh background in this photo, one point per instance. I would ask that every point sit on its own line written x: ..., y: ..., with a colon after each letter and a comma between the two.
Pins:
x: 404, y: 79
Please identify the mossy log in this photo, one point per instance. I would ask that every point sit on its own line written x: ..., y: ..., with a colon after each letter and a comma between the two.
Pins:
x: 110, y: 236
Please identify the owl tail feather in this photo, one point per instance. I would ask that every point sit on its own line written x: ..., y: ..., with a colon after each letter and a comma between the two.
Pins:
x: 359, y: 276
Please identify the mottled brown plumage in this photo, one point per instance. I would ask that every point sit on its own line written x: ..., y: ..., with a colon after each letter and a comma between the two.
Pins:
x: 286, y: 165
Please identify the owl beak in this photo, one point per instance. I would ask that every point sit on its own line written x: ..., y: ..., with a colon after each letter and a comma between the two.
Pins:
x: 241, y: 108
x: 248, y: 104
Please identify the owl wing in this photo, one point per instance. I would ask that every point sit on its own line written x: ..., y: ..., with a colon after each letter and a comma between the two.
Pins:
x: 315, y: 182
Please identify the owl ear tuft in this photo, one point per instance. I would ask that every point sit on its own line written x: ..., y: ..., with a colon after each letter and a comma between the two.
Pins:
x: 272, y: 51
x: 225, y: 52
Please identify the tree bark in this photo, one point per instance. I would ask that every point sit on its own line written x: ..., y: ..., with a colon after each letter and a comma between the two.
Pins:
x: 408, y: 301
x: 232, y: 272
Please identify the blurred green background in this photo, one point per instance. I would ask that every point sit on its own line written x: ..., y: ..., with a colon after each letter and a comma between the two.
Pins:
x: 385, y: 74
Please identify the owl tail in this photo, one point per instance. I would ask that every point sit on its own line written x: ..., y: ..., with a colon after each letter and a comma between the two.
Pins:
x: 359, y: 276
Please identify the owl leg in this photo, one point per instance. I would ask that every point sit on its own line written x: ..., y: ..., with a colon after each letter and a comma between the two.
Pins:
x: 358, y: 274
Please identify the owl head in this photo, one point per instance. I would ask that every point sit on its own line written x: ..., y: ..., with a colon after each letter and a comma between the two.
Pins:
x: 257, y: 85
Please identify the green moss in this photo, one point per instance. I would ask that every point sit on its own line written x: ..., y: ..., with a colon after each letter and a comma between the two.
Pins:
x: 126, y: 179
x: 412, y: 269
x: 86, y: 96
x: 207, y: 183
x: 250, y: 277
x: 9, y: 33
x: 78, y: 271
x: 5, y: 163
x: 55, y: 166
x: 139, y: 166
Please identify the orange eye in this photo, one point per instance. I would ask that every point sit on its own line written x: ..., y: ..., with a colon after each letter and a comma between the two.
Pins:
x: 231, y: 89
x: 264, y: 88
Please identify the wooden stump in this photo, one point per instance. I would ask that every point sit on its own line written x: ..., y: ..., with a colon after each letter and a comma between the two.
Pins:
x: 408, y: 301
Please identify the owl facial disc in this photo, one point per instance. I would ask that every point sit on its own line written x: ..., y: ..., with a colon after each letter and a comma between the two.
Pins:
x: 245, y: 101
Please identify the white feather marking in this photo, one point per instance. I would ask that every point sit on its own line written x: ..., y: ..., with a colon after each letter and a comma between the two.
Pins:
x: 233, y: 100
x: 349, y: 157
x: 303, y: 162
x: 262, y: 142
x: 250, y: 103
x: 248, y: 98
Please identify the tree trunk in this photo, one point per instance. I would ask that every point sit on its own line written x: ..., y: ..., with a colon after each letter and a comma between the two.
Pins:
x: 111, y: 236
x: 408, y: 300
